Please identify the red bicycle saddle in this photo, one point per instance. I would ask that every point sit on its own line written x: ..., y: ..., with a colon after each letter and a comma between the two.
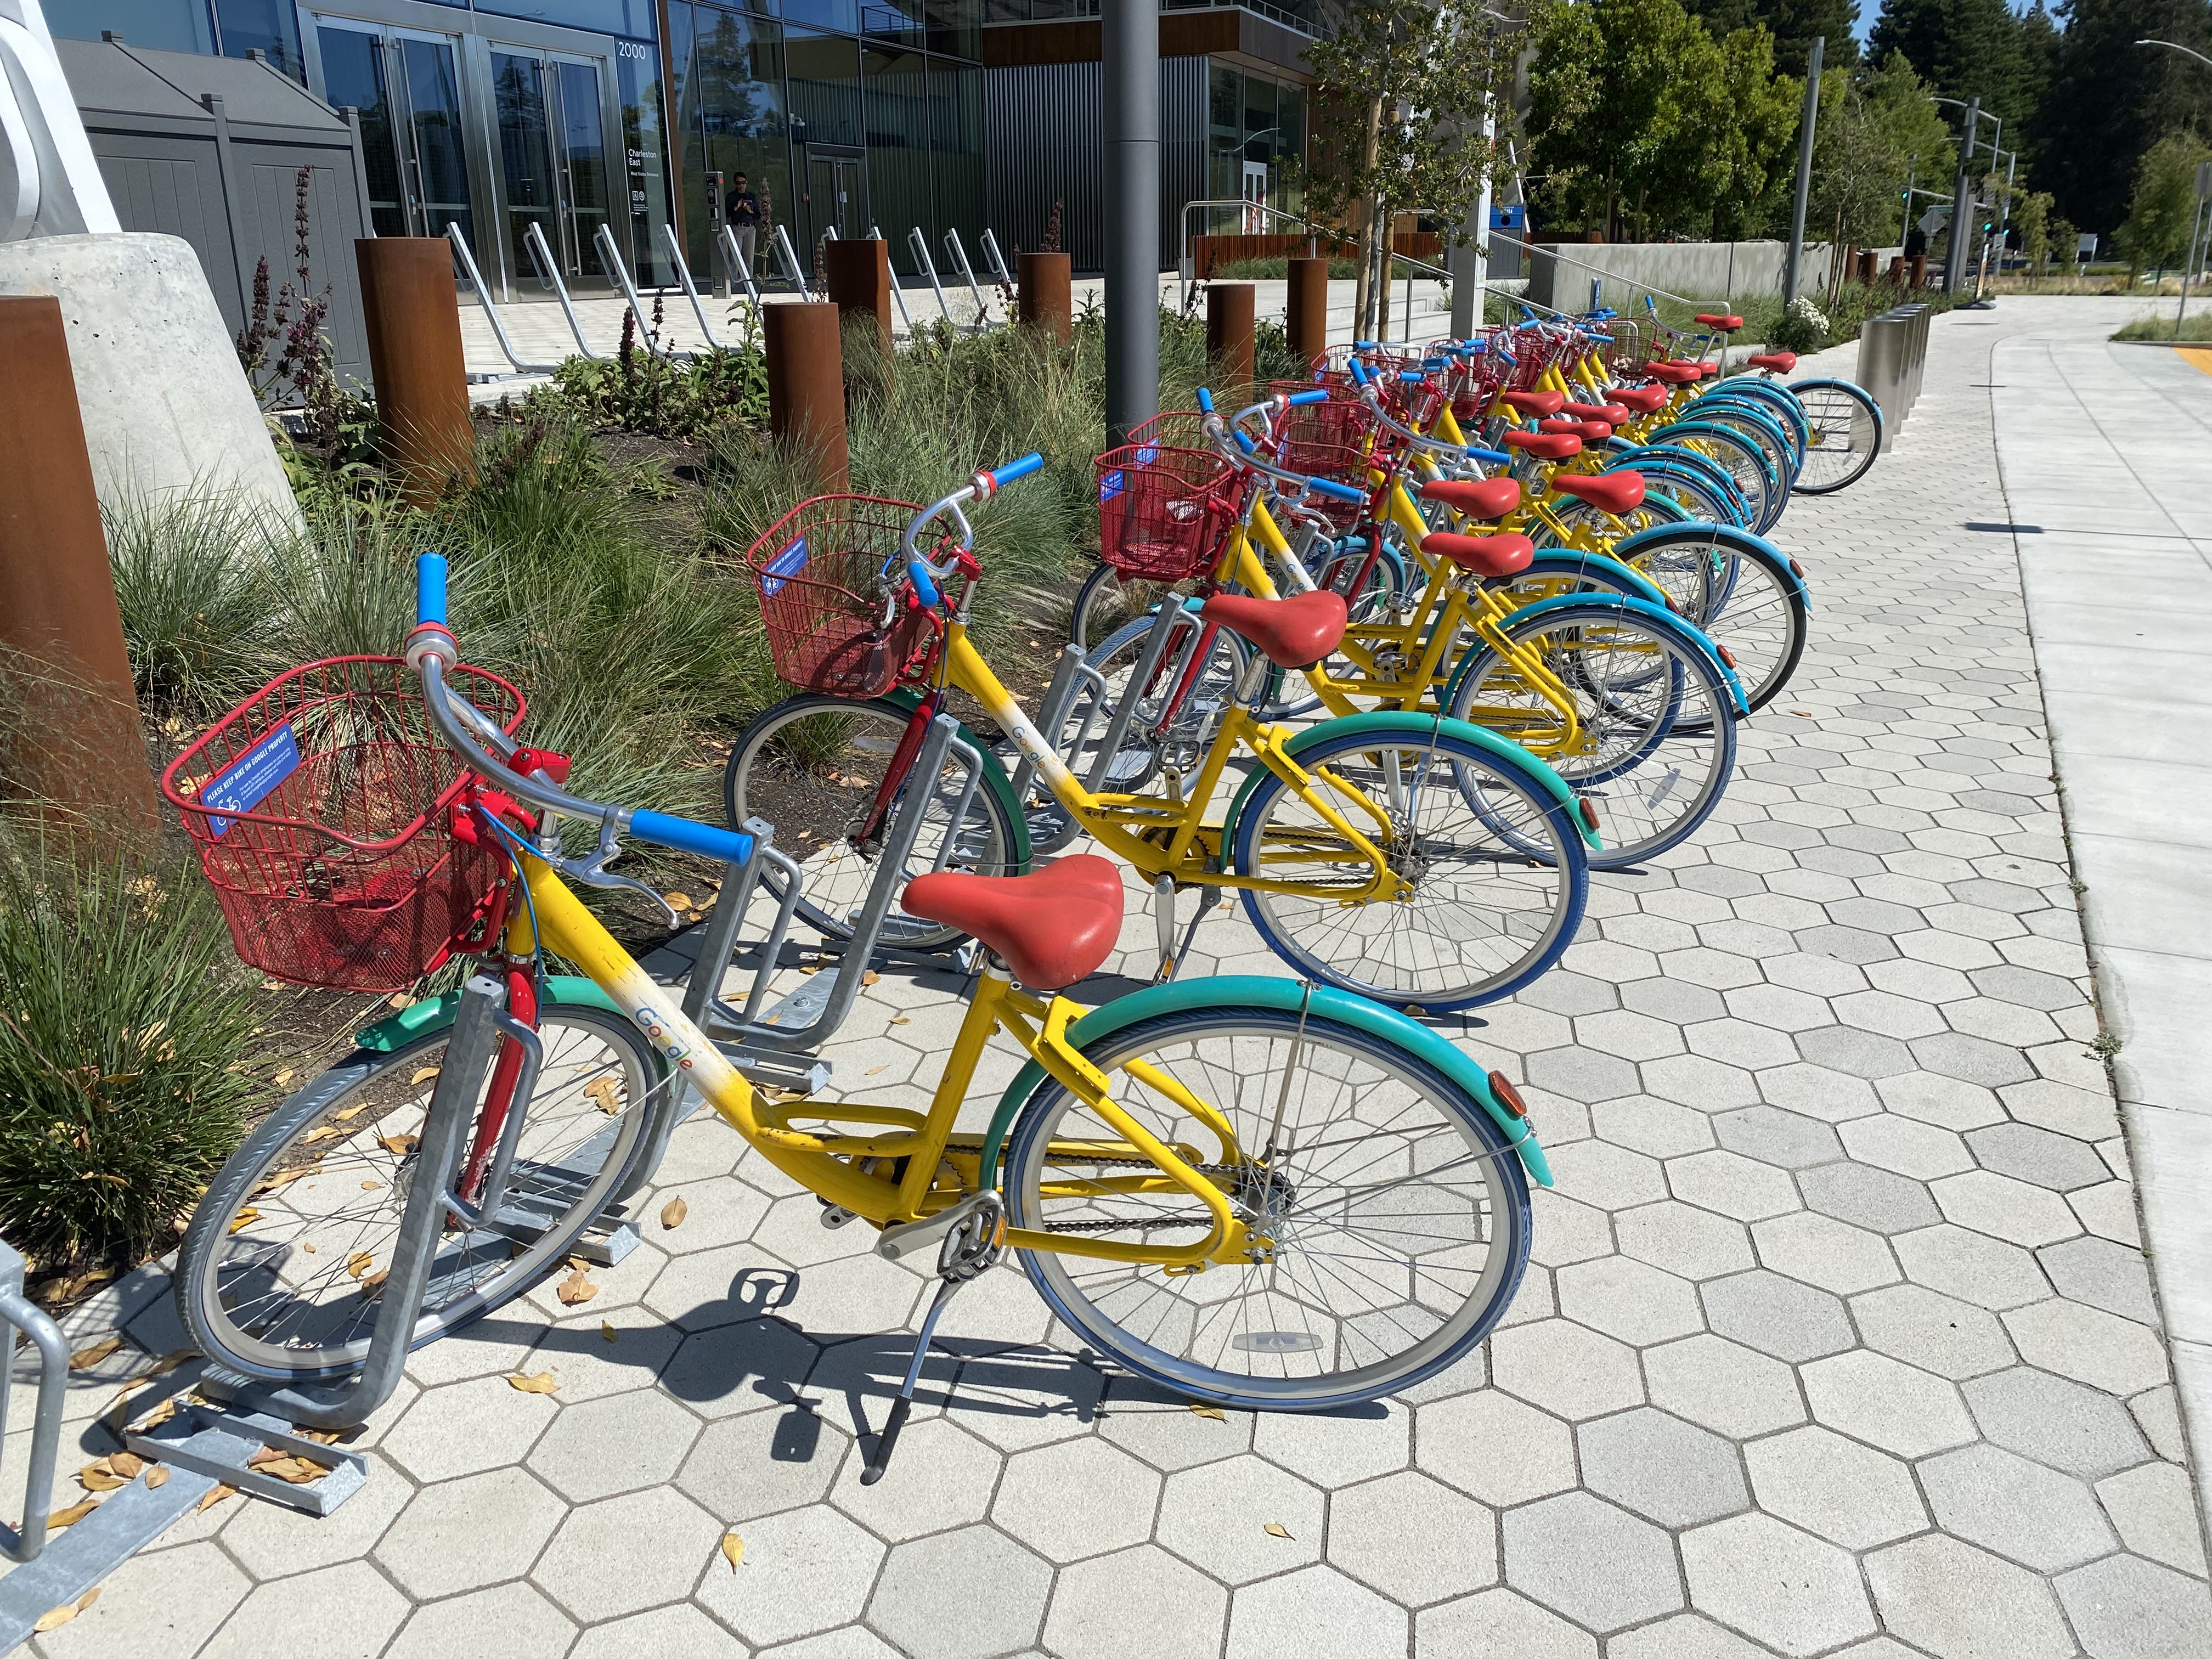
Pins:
x: 1608, y: 492
x: 1486, y: 555
x: 1053, y: 926
x: 1476, y: 498
x: 1643, y: 399
x: 1296, y: 632
x: 1545, y: 446
x: 1613, y: 414
x: 1674, y: 373
x: 1542, y: 405
x: 1780, y: 361
x: 1590, y: 432
x: 1727, y: 321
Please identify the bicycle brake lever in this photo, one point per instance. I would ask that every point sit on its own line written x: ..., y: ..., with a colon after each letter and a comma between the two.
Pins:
x: 592, y: 871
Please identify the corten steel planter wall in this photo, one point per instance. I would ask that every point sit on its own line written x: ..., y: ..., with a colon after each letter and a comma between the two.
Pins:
x: 1228, y: 319
x: 414, y: 318
x: 1046, y: 299
x: 1307, y: 318
x: 806, y: 383
x: 859, y: 277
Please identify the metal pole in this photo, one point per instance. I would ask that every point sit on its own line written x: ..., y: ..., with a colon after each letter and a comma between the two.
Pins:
x: 1955, y: 255
x: 2188, y: 265
x: 1130, y: 71
x: 1804, y: 171
x: 1911, y: 177
x: 1470, y: 263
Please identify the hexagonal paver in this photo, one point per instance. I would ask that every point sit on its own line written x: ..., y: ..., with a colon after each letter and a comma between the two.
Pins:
x: 1776, y: 1584
x: 1723, y: 1386
x: 1496, y: 1448
x: 1565, y: 1369
x: 1696, y: 1243
x: 595, y: 1569
x: 1500, y: 1625
x: 1162, y: 1429
x: 2132, y: 1609
x: 511, y: 1621
x: 2075, y: 1430
x: 1334, y: 1449
x: 1847, y: 1493
x: 2102, y: 1274
x: 1972, y: 1266
x: 1686, y: 1636
x: 1730, y: 1184
x: 1958, y: 1603
x: 1629, y: 1299
x: 803, y: 1570
x: 619, y: 1444
x: 1818, y: 1250
x: 1907, y: 1146
x: 1934, y: 1332
x: 2032, y: 1154
x: 960, y: 1595
x: 762, y: 1463
x: 1870, y: 1198
x: 946, y: 1478
x: 1661, y: 1466
x: 1412, y: 1538
x: 465, y: 1428
x: 2000, y: 1500
x: 270, y: 1539
x: 2154, y: 1507
x: 2005, y: 1208
x: 1782, y: 1138
x: 1596, y: 1564
x: 462, y: 1535
x: 1079, y: 1497
x: 1609, y: 1177
x: 2088, y: 1345
x: 1318, y: 1610
x: 1216, y: 1518
x: 1141, y: 1603
x: 1776, y: 1316
x: 676, y: 1632
x: 1888, y: 1403
x: 351, y: 1597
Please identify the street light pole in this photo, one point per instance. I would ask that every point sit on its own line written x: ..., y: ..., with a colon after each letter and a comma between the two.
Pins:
x: 1804, y: 173
x: 1130, y: 87
x: 2184, y: 50
x: 1470, y: 260
x: 1955, y: 255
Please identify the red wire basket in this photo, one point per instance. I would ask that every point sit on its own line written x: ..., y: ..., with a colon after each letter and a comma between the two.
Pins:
x: 1323, y: 440
x: 833, y: 585
x: 322, y: 810
x: 1173, y: 428
x: 1162, y: 511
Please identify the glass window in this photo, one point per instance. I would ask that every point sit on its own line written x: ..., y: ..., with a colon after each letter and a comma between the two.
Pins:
x: 732, y: 114
x: 637, y: 83
x: 606, y: 16
x: 1291, y: 150
x: 354, y: 76
x: 900, y: 20
x: 898, y: 147
x: 164, y: 24
x: 956, y: 27
x: 956, y: 142
x: 844, y: 14
x: 1259, y: 119
x: 1225, y: 142
x: 1007, y: 11
x: 269, y: 26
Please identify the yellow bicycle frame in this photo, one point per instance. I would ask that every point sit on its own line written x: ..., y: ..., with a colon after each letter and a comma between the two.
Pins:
x: 941, y: 1166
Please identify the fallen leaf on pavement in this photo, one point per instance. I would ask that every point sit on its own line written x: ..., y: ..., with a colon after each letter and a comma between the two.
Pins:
x: 397, y: 1145
x: 93, y: 1353
x: 156, y: 1478
x: 327, y: 1131
x: 872, y: 977
x: 360, y: 1262
x: 55, y: 1618
x: 606, y: 1092
x: 733, y: 1549
x: 126, y: 1464
x: 606, y: 1330
x: 245, y: 1218
x: 97, y: 1477
x: 575, y: 1289
x: 673, y: 1211
x: 422, y: 1075
x: 349, y: 1114
x: 1211, y: 1413
x: 1277, y: 1529
x: 543, y: 1382
x: 213, y: 1499
x: 72, y: 1515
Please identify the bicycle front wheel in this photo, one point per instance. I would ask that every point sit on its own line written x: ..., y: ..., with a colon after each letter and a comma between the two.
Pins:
x: 1736, y: 592
x: 1844, y: 435
x: 1495, y: 874
x: 279, y: 1273
x: 1397, y: 1214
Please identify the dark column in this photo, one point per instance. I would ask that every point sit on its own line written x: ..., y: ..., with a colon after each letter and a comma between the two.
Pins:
x: 1229, y: 335
x: 806, y: 385
x: 414, y: 318
x: 79, y: 745
x: 1307, y: 321
x: 1961, y: 240
x: 860, y: 276
x: 1131, y: 117
x: 1045, y: 299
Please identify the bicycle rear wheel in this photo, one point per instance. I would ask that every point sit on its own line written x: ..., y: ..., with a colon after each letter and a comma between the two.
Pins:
x: 1844, y: 435
x: 1398, y: 1213
x: 279, y: 1270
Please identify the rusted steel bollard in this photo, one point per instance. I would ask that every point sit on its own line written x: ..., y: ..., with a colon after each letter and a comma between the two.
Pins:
x: 66, y: 671
x: 1045, y: 298
x: 414, y: 316
x: 860, y: 276
x: 1918, y: 274
x: 1228, y: 334
x: 1867, y: 258
x: 1307, y: 318
x: 806, y: 385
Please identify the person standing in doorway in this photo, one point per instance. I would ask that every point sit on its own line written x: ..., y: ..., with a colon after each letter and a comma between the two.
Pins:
x: 744, y: 208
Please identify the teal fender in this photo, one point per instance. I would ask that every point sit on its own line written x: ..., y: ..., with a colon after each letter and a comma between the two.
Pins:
x: 1509, y: 753
x: 994, y: 779
x: 1659, y: 613
x: 1751, y: 545
x: 435, y: 1013
x: 1256, y: 991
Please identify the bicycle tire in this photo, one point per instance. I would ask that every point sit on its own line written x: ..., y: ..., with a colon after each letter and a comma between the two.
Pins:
x: 816, y: 791
x: 1138, y: 762
x: 1414, y: 953
x: 1746, y: 463
x: 1768, y: 394
x: 1105, y: 603
x: 1456, y: 1292
x: 218, y: 1256
x: 1762, y: 619
x: 1838, y: 405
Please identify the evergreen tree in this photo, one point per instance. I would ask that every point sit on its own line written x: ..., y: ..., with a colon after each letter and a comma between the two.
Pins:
x: 2109, y: 98
x: 1793, y: 23
x: 1963, y: 49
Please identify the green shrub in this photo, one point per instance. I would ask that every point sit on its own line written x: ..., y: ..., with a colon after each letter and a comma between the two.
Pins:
x: 192, y: 583
x: 123, y: 1028
x: 2161, y: 327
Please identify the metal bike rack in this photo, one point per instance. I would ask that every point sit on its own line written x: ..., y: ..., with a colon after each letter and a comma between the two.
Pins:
x: 898, y: 294
x: 610, y: 256
x: 792, y: 268
x: 690, y: 289
x: 548, y: 273
x: 491, y: 313
x: 998, y: 259
x: 739, y: 263
x: 919, y: 244
x: 960, y: 258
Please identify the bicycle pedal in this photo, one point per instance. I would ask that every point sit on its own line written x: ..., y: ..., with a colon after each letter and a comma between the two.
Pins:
x: 835, y: 1216
x: 905, y: 1238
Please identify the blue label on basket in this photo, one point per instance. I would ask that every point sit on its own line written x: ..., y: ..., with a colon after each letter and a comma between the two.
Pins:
x: 246, y: 781
x: 1148, y: 454
x: 1109, y: 485
x: 782, y: 567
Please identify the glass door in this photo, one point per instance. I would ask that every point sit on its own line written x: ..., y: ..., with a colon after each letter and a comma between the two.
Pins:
x: 834, y: 196
x: 526, y: 155
x: 553, y: 157
x: 354, y: 74
x: 431, y: 87
x: 407, y: 89
x: 583, y: 158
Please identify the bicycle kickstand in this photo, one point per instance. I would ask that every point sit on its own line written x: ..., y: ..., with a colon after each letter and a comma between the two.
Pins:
x: 1164, y: 923
x: 974, y: 1235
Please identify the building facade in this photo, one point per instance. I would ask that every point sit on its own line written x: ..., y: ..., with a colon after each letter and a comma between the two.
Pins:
x: 542, y: 122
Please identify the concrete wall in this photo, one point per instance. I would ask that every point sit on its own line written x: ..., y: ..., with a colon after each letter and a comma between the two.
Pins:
x: 1561, y: 273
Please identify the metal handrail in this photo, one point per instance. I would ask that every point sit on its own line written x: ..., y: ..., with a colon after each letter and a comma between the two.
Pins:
x: 1313, y: 232
x: 1549, y: 251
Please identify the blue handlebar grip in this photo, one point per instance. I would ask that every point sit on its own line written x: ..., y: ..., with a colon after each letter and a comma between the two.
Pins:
x: 1244, y: 441
x: 1341, y: 492
x: 1317, y: 396
x: 1206, y: 400
x: 1020, y: 468
x: 1488, y: 457
x: 1358, y: 371
x: 1409, y: 374
x: 430, y: 588
x: 1362, y: 345
x: 925, y: 587
x: 723, y: 846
